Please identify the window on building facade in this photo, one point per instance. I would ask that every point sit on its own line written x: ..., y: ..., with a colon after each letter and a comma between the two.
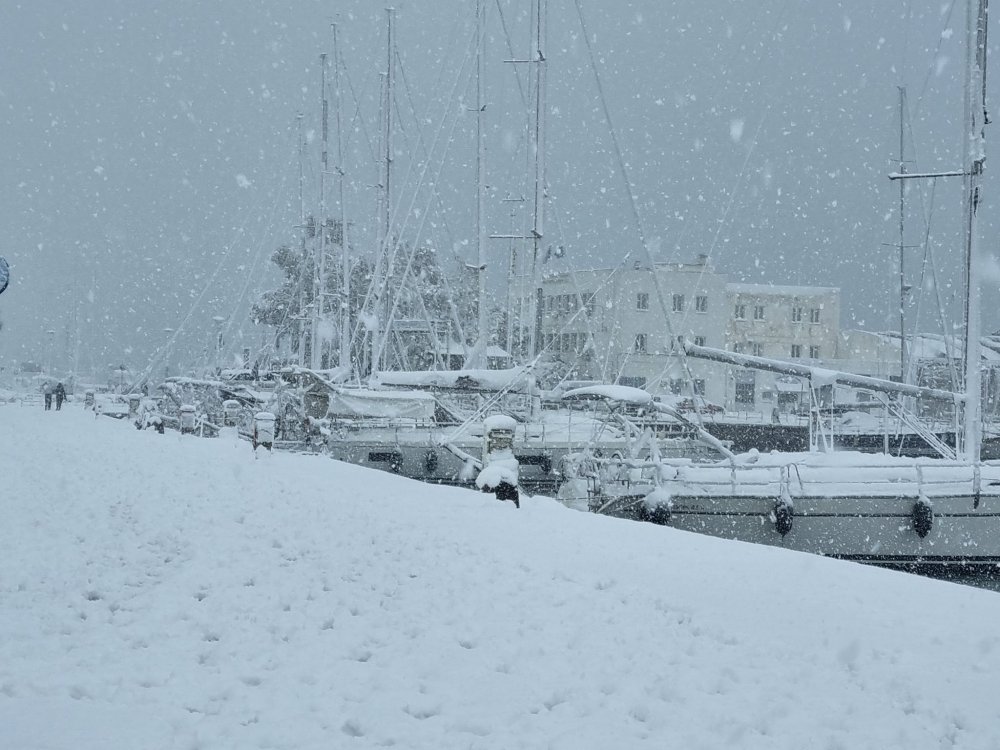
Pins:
x: 756, y: 349
x: 738, y: 348
x: 701, y: 303
x: 741, y: 312
x: 676, y: 386
x: 758, y: 312
x: 678, y: 303
x: 699, y: 341
x: 796, y: 314
x: 642, y: 301
x: 814, y: 315
x: 745, y: 393
x: 814, y: 352
x: 796, y: 351
x: 699, y: 386
x: 589, y: 302
x: 632, y: 381
x: 640, y: 343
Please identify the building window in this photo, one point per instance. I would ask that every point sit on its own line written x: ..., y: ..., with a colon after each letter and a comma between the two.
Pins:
x: 758, y: 312
x: 589, y: 302
x: 738, y: 348
x: 796, y: 351
x: 814, y: 352
x: 814, y: 315
x: 678, y: 303
x: 642, y: 301
x: 701, y: 303
x: 699, y: 386
x: 676, y: 386
x: 745, y: 393
x: 640, y: 343
x: 699, y: 341
x: 796, y: 314
x: 757, y: 350
x: 741, y: 312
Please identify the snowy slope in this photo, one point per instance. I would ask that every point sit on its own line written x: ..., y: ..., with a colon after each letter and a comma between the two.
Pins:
x: 168, y: 592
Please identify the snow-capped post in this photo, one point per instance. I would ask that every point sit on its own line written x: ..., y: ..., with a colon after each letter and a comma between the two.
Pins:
x: 230, y: 411
x: 500, y: 468
x: 134, y: 399
x: 88, y: 399
x: 187, y: 419
x: 263, y: 430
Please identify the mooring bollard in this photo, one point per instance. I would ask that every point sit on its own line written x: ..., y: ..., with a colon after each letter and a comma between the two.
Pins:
x: 230, y: 412
x: 88, y: 399
x: 263, y: 430
x: 187, y: 419
x: 134, y: 399
x: 500, y: 471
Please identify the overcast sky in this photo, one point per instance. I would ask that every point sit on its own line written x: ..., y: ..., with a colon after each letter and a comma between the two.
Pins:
x: 149, y: 151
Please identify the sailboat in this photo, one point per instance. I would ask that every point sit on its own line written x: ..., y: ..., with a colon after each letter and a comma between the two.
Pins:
x: 928, y: 513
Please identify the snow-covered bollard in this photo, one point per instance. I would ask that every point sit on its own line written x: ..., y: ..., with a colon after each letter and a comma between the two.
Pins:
x: 263, y: 430
x: 230, y: 412
x: 88, y: 399
x: 187, y: 419
x: 500, y: 470
x: 134, y: 399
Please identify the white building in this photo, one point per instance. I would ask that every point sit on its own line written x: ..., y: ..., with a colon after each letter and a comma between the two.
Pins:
x: 800, y: 324
x: 622, y: 325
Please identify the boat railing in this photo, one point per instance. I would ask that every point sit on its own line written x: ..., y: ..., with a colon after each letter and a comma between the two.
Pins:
x: 792, y: 479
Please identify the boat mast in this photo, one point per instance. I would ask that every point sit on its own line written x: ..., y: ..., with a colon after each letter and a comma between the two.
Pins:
x: 976, y: 119
x: 302, y: 225
x: 538, y: 144
x: 381, y: 327
x: 320, y: 278
x: 345, y: 265
x: 902, y: 247
x: 478, y: 354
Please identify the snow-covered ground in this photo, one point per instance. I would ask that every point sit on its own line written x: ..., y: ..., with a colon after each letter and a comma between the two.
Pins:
x: 167, y: 592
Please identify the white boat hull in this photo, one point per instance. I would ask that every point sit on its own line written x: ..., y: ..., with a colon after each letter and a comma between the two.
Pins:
x: 905, y: 516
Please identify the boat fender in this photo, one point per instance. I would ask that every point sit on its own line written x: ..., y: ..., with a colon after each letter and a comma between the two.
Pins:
x: 923, y: 517
x: 784, y: 515
x: 430, y: 461
x: 660, y: 514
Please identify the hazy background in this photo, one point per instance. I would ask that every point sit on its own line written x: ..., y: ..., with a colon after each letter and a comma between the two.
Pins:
x: 148, y: 150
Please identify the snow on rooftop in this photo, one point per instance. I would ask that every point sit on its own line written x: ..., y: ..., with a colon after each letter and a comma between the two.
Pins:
x: 779, y: 289
x: 161, y: 591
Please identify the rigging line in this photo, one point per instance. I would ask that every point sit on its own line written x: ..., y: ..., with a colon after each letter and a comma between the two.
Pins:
x: 258, y: 254
x: 510, y: 51
x: 387, y: 239
x: 161, y: 353
x: 356, y: 118
x: 416, y: 239
x: 729, y: 206
x: 658, y: 286
x: 933, y: 66
x: 422, y: 145
x: 927, y: 213
x: 452, y: 97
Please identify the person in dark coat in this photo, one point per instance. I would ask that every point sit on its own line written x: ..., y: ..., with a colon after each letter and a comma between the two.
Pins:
x: 60, y: 393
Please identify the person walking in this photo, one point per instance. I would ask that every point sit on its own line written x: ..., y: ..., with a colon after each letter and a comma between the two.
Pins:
x: 47, y: 392
x: 60, y: 393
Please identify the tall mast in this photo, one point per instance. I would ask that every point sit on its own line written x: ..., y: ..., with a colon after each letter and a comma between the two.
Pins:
x: 319, y: 311
x: 382, y: 234
x: 302, y: 225
x: 345, y: 264
x: 478, y: 358
x: 902, y: 254
x: 538, y: 145
x: 975, y: 154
